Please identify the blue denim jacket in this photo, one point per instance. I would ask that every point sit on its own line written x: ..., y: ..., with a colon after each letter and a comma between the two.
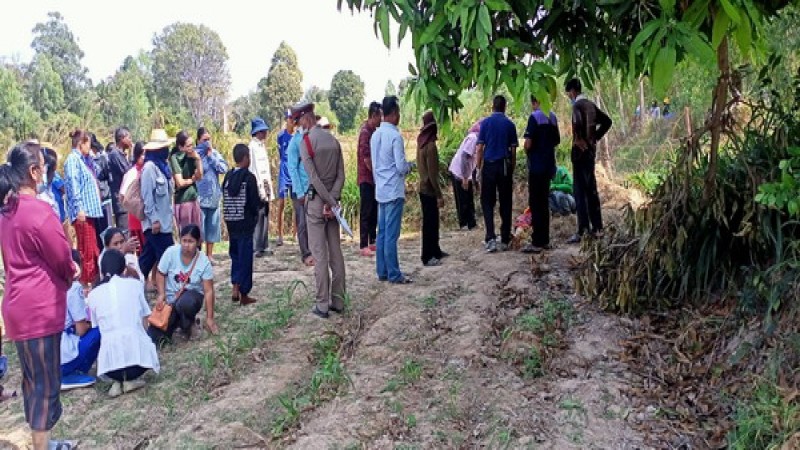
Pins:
x: 208, y: 189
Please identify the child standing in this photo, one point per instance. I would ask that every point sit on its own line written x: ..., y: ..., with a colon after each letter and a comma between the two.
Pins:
x: 240, y: 210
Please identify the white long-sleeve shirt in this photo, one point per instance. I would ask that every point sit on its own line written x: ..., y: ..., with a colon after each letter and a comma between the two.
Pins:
x: 259, y: 166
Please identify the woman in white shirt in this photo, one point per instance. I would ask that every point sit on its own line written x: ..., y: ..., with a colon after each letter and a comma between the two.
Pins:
x: 120, y: 311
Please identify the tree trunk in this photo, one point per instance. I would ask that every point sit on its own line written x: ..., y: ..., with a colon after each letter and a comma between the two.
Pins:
x: 716, y: 121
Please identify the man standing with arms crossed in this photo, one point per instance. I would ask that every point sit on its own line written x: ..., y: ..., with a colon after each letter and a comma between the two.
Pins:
x: 589, y: 125
x: 390, y: 168
x: 497, y: 157
x: 259, y: 166
x: 366, y: 182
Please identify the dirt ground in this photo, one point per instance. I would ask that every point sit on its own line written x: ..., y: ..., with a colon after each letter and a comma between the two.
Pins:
x: 485, y: 351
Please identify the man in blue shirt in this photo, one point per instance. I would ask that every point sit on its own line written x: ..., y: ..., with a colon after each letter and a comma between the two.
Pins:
x: 541, y: 138
x: 284, y: 180
x: 496, y: 156
x: 389, y: 169
x: 298, y: 185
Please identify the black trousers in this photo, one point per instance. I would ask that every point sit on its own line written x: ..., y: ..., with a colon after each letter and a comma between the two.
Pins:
x: 430, y: 228
x: 465, y: 203
x: 129, y: 373
x: 184, y: 311
x: 497, y: 183
x: 539, y: 203
x: 587, y: 199
x: 368, y: 214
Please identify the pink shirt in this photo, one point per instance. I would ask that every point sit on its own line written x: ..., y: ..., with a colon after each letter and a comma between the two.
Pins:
x: 464, y: 161
x: 38, y: 267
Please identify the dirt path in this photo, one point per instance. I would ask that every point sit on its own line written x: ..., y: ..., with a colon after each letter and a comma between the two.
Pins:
x: 490, y: 351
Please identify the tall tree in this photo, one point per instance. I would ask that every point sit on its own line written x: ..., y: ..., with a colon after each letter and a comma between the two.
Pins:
x: 243, y: 109
x: 281, y: 87
x: 45, y: 89
x: 315, y: 94
x: 190, y: 70
x: 15, y: 113
x: 55, y: 40
x: 389, y: 89
x: 346, y: 97
x: 128, y: 103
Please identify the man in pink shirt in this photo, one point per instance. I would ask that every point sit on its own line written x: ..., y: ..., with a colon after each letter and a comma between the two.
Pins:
x: 461, y: 168
x: 38, y: 267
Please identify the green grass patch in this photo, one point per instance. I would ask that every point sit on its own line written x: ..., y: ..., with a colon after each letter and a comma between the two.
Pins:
x: 768, y: 420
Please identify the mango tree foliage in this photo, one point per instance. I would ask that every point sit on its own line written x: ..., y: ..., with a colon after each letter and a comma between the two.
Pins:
x: 525, y: 44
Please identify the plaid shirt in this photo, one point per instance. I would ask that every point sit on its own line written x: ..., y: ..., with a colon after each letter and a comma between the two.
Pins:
x: 83, y: 193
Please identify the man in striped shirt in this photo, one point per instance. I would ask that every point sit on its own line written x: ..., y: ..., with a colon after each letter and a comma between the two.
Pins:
x: 83, y: 202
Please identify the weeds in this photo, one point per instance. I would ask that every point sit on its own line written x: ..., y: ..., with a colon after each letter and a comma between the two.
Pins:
x: 406, y: 376
x: 327, y: 381
x: 768, y: 420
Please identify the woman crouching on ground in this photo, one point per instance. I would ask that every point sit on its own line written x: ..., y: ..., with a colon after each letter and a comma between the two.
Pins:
x: 114, y: 239
x: 185, y: 281
x: 119, y: 309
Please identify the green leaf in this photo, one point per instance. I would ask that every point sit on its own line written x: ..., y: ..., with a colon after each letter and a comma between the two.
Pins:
x: 646, y: 32
x: 484, y: 20
x: 505, y: 43
x: 382, y: 17
x: 498, y: 5
x: 731, y: 11
x: 663, y: 69
x: 696, y: 45
x: 668, y: 6
x: 402, y: 33
x: 744, y: 36
x: 720, y: 28
x: 432, y: 30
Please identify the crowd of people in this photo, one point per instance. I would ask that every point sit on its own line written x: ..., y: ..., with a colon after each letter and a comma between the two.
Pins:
x: 69, y: 306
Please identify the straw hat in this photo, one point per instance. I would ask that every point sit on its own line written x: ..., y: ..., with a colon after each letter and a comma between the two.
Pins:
x: 158, y: 140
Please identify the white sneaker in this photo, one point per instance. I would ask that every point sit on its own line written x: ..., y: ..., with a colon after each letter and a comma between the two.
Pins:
x: 490, y: 246
x: 116, y: 389
x: 502, y: 247
x: 130, y: 386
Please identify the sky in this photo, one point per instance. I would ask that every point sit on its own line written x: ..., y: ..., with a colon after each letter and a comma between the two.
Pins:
x: 324, y: 39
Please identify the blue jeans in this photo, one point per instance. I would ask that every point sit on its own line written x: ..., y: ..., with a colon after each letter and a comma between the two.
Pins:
x: 241, y: 253
x: 88, y: 348
x: 390, y: 217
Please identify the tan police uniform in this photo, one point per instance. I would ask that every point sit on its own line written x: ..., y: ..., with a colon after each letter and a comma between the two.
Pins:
x: 326, y: 176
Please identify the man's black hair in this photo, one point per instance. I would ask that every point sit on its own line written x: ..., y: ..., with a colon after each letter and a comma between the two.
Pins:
x: 534, y: 99
x: 499, y: 104
x: 239, y: 152
x: 390, y: 105
x: 374, y: 108
x: 120, y: 133
x: 573, y: 85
